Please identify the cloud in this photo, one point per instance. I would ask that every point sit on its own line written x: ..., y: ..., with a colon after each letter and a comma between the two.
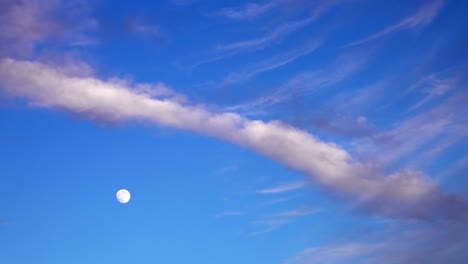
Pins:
x: 427, y: 243
x: 422, y: 17
x: 274, y: 221
x: 434, y: 86
x: 358, y: 127
x: 250, y: 10
x: 284, y: 188
x: 444, y: 125
x: 272, y: 36
x: 401, y: 194
x: 297, y: 212
x: 24, y: 24
x: 27, y: 23
x: 279, y: 32
x: 308, y: 81
x: 333, y: 254
x: 277, y: 200
x: 271, y: 64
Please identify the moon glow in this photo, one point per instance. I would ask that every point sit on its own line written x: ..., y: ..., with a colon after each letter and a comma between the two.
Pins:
x: 123, y: 196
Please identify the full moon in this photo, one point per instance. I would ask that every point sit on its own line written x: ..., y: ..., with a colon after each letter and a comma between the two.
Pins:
x: 123, y: 196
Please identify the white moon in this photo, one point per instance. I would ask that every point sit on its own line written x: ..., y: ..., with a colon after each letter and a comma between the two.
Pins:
x: 123, y: 196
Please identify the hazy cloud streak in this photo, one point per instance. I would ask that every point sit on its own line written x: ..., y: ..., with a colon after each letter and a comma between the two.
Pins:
x: 422, y: 17
x: 284, y: 188
x: 250, y: 10
x: 280, y: 31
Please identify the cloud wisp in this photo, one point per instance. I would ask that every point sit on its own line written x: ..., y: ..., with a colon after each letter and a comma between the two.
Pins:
x: 401, y: 194
x: 25, y: 24
x: 249, y: 11
x: 427, y: 243
x: 444, y: 125
x: 278, y: 32
x: 274, y: 221
x: 305, y: 82
x: 422, y: 17
x: 284, y: 188
x: 273, y: 35
x: 271, y: 64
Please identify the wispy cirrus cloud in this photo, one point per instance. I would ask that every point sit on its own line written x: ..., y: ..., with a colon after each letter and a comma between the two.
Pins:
x: 306, y: 82
x: 420, y: 243
x: 433, y: 87
x: 250, y: 10
x: 281, y: 31
x: 422, y: 17
x: 444, y: 125
x: 284, y: 188
x: 271, y: 64
x: 273, y: 35
x: 334, y: 253
x: 401, y: 194
x: 297, y: 212
x: 274, y: 221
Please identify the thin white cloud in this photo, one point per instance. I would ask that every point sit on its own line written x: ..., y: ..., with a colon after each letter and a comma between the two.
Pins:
x: 444, y: 125
x: 272, y: 222
x: 250, y: 10
x: 297, y: 212
x: 284, y: 188
x: 277, y: 201
x: 308, y: 81
x: 433, y: 243
x: 271, y: 64
x: 422, y: 17
x: 405, y: 193
x: 334, y: 253
x: 273, y: 35
x: 433, y: 88
x: 279, y: 32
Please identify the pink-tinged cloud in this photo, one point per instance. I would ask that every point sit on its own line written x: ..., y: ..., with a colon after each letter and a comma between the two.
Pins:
x: 405, y: 193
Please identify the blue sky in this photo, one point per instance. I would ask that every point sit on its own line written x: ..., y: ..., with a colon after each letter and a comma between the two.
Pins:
x: 273, y: 131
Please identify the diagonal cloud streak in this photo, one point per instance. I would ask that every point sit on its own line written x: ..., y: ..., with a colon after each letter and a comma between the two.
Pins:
x: 404, y: 194
x: 422, y: 17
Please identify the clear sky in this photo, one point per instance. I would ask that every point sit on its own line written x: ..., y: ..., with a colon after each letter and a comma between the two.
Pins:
x: 269, y: 131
